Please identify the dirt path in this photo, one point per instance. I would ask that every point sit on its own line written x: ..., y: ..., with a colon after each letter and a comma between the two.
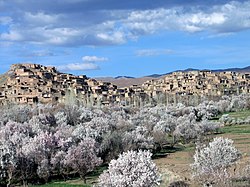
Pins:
x: 175, y: 166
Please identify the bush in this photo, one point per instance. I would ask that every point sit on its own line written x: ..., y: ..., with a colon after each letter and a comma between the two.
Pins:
x: 212, y: 162
x: 131, y: 169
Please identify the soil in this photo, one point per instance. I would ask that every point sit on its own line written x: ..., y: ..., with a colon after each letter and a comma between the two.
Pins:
x: 176, y: 166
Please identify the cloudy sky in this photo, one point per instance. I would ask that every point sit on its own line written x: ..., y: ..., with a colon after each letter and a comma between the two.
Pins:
x: 133, y: 38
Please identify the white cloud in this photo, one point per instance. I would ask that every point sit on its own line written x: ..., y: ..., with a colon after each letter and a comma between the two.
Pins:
x: 39, y: 53
x: 69, y: 25
x: 94, y: 59
x: 5, y: 20
x: 12, y: 36
x: 151, y: 21
x: 78, y: 67
x: 230, y: 17
x: 89, y: 63
x: 40, y: 18
x: 115, y: 37
x: 153, y: 52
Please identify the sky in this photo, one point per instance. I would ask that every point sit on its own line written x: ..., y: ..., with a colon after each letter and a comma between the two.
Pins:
x: 100, y: 38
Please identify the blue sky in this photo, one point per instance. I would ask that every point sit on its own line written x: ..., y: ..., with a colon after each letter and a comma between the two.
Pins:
x: 133, y: 38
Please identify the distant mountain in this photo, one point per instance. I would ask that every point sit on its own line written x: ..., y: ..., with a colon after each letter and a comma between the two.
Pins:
x: 126, y: 81
x: 245, y: 69
x: 160, y: 75
x: 186, y: 70
x: 156, y: 75
x: 124, y: 77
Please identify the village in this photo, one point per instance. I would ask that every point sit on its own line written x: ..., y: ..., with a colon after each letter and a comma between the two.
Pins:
x: 34, y: 83
x: 200, y: 83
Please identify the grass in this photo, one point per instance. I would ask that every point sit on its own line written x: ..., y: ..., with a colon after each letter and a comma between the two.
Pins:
x: 236, y: 129
x: 240, y: 114
x: 91, y: 178
x: 166, y: 150
x: 60, y: 184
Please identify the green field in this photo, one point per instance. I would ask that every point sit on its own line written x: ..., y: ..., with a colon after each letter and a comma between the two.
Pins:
x: 240, y: 114
x: 236, y: 129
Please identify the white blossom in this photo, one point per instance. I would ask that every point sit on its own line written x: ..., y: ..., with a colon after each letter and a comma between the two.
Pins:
x: 135, y: 169
x: 211, y: 162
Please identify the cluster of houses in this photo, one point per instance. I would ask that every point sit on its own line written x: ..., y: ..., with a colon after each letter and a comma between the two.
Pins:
x: 200, y: 83
x: 34, y: 83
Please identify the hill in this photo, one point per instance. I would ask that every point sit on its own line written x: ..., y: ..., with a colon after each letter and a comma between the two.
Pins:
x: 126, y: 81
x: 34, y: 83
x: 240, y: 70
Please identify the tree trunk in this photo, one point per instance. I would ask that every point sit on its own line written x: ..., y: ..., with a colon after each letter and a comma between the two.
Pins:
x: 83, y: 177
x: 25, y: 183
x: 10, y: 174
x: 8, y: 184
x: 173, y: 140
